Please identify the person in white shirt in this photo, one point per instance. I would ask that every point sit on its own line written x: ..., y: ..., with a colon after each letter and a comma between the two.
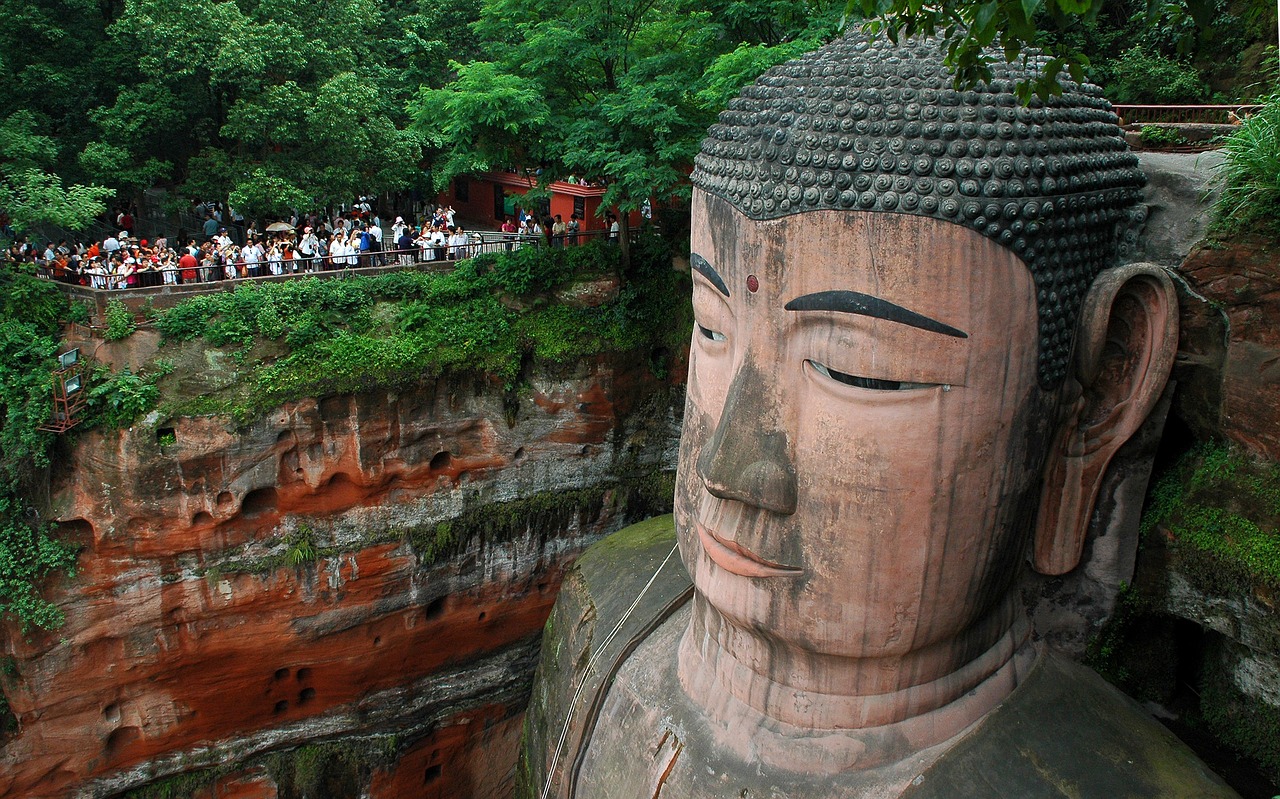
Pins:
x: 458, y: 245
x: 250, y: 255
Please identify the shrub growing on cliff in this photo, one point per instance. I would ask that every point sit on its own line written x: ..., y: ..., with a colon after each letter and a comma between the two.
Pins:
x: 486, y: 316
x: 1250, y: 172
x: 120, y: 322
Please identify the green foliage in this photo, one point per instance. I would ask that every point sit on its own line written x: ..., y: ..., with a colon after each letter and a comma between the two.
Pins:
x: 486, y: 316
x: 1250, y: 172
x: 614, y: 92
x: 36, y: 302
x: 1143, y: 76
x: 79, y: 313
x: 972, y: 31
x: 1246, y: 725
x: 28, y: 554
x: 1157, y: 136
x: 120, y: 322
x: 1221, y: 510
x: 1105, y: 651
x: 301, y: 547
x: 337, y: 768
x: 179, y: 786
x: 118, y: 399
x: 28, y: 190
x: 1140, y: 51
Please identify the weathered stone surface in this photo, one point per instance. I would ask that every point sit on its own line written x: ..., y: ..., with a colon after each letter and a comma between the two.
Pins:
x: 1241, y: 281
x: 347, y: 566
x: 1179, y: 204
x: 1062, y: 732
x: 590, y: 293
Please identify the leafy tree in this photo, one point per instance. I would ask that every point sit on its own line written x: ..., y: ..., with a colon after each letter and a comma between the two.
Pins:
x: 618, y: 93
x: 30, y: 192
x: 266, y: 103
x: 973, y: 29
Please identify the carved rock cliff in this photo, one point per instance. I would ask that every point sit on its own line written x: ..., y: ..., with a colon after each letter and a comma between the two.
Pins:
x: 366, y: 576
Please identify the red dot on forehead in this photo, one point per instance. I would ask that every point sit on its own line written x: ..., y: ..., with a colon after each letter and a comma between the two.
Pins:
x: 753, y: 284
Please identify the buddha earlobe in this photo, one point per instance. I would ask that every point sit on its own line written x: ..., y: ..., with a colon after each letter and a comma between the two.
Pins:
x: 1125, y: 346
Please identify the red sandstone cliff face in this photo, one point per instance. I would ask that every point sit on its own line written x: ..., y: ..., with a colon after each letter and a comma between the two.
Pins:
x: 346, y: 569
x: 1230, y: 348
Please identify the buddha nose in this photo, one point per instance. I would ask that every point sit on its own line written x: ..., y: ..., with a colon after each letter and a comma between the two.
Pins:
x: 747, y: 456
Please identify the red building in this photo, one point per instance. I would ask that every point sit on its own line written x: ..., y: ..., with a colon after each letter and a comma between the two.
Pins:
x: 489, y: 196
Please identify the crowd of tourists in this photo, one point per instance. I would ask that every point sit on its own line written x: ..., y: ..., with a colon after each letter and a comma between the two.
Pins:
x: 305, y: 244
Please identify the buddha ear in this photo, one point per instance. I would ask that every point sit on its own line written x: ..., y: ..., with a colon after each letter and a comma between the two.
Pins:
x: 1125, y: 346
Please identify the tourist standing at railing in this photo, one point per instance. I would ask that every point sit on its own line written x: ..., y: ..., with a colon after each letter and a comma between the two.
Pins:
x: 558, y: 231
x: 375, y: 243
x: 573, y: 226
x: 307, y: 248
x: 249, y: 254
x: 322, y: 252
x: 364, y: 242
x: 404, y: 243
x: 458, y: 244
x: 509, y: 233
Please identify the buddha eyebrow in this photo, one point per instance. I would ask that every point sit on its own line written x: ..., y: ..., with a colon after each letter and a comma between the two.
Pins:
x: 866, y: 305
x: 705, y: 269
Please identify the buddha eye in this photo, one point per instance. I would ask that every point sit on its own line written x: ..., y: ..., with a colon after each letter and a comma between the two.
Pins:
x: 872, y: 383
x: 714, y: 335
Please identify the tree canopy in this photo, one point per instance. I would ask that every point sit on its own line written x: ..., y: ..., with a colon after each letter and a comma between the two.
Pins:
x: 612, y: 92
x: 271, y: 105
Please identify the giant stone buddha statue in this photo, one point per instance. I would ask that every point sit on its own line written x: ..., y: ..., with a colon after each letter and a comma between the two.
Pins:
x: 915, y: 354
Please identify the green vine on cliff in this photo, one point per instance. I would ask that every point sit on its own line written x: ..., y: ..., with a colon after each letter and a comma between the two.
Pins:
x: 1221, y: 510
x: 29, y: 553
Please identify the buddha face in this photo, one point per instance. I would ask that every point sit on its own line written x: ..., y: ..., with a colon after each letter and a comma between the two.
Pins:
x: 863, y: 432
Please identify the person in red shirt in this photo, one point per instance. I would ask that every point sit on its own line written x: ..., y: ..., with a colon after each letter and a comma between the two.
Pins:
x: 188, y: 263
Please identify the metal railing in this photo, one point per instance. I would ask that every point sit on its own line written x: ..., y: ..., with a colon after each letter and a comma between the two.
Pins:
x: 1173, y: 114
x: 205, y: 276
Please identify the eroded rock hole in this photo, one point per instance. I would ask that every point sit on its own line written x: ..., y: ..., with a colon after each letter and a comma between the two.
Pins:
x: 441, y: 460
x: 76, y: 529
x: 304, y: 673
x: 225, y: 498
x: 258, y: 501
x: 200, y: 518
x: 281, y: 673
x: 306, y: 695
x: 483, y: 615
x: 280, y: 707
x: 120, y: 738
x: 166, y: 436
x: 377, y: 640
x: 519, y: 454
x: 432, y: 774
x: 112, y: 713
x: 436, y: 609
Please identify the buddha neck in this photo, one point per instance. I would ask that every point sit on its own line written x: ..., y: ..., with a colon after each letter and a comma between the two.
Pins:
x: 887, y: 707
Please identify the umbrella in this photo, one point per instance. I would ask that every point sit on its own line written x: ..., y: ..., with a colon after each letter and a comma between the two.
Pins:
x: 279, y: 227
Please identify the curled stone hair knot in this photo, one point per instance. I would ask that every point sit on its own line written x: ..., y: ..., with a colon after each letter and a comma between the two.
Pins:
x: 868, y: 125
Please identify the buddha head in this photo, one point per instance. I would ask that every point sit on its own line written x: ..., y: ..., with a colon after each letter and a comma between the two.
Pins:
x: 914, y: 355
